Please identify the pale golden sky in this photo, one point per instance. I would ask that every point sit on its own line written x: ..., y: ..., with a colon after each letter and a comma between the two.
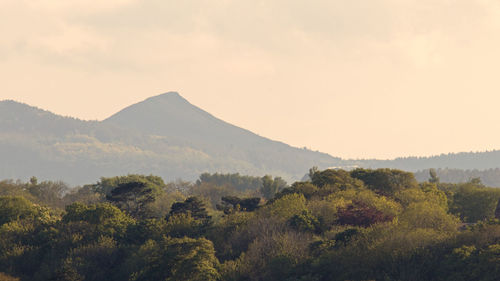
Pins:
x: 356, y: 79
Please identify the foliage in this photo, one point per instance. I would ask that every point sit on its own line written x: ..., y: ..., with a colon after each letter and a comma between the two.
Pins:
x: 233, y: 181
x: 433, y: 177
x: 106, y: 185
x: 232, y: 204
x: 305, y: 222
x: 271, y: 186
x: 183, y: 224
x: 385, y: 181
x: 15, y: 208
x: 306, y: 188
x: 338, y: 179
x: 285, y: 207
x: 173, y: 259
x: 134, y: 195
x: 192, y: 206
x: 426, y: 192
x: 102, y: 218
x: 48, y: 192
x: 360, y: 214
x: 345, y: 229
x: 211, y: 193
x: 473, y: 202
x: 428, y: 215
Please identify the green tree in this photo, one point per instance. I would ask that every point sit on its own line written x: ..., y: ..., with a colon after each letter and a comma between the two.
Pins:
x: 101, y: 219
x: 428, y: 215
x: 48, y: 192
x: 86, y: 194
x: 306, y: 188
x: 433, y: 177
x: 193, y: 206
x: 173, y: 259
x: 135, y: 197
x: 15, y: 208
x: 305, y: 222
x: 105, y: 185
x: 285, y: 207
x: 271, y: 186
x: 385, y: 181
x: 231, y: 204
x: 233, y: 181
x: 474, y: 202
x: 426, y: 192
x: 333, y: 180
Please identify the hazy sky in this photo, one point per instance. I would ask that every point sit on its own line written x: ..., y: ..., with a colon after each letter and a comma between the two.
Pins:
x: 371, y: 78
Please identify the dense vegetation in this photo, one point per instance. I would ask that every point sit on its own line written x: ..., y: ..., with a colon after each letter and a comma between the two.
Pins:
x: 338, y: 225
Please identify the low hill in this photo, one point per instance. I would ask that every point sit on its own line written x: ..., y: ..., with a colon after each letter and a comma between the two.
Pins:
x: 463, y: 160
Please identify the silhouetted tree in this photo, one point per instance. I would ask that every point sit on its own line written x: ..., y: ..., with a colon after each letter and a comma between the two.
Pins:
x: 193, y: 206
x: 134, y: 197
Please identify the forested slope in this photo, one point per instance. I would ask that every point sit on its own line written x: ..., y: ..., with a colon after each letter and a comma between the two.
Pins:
x: 164, y: 135
x: 168, y: 136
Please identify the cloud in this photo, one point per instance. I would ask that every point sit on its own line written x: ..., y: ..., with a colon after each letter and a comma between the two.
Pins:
x: 126, y: 31
x: 357, y: 60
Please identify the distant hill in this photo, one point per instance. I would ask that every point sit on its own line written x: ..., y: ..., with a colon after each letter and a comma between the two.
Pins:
x: 163, y: 135
x: 463, y: 160
x: 452, y: 167
x: 489, y: 177
x: 167, y: 136
x: 173, y: 118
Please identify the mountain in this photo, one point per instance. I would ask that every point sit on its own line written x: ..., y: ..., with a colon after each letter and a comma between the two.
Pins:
x: 167, y: 136
x: 163, y: 135
x: 171, y: 116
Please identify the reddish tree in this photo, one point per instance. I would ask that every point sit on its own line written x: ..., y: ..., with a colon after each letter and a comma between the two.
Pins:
x: 360, y: 214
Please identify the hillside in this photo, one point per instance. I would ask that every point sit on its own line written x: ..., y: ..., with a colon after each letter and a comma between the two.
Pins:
x: 167, y: 136
x: 463, y: 160
x: 163, y: 135
x: 171, y: 116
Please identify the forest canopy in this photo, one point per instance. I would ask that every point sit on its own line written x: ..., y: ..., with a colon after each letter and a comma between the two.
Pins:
x: 362, y: 224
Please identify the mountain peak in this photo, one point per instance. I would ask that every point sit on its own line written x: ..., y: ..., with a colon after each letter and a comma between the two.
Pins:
x: 169, y: 94
x: 166, y: 96
x: 165, y: 113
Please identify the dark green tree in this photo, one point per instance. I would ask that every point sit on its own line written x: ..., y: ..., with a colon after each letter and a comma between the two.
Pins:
x: 335, y: 179
x: 99, y: 219
x: 231, y: 204
x: 385, y: 181
x: 193, y: 206
x: 105, y: 185
x: 305, y: 222
x: 173, y: 259
x: 135, y: 197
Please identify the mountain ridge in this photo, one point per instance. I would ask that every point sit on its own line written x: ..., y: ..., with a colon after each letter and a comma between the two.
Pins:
x: 168, y: 136
x: 164, y: 135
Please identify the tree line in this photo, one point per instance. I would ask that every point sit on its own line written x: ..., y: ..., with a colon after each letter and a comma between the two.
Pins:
x: 490, y: 177
x: 362, y: 224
